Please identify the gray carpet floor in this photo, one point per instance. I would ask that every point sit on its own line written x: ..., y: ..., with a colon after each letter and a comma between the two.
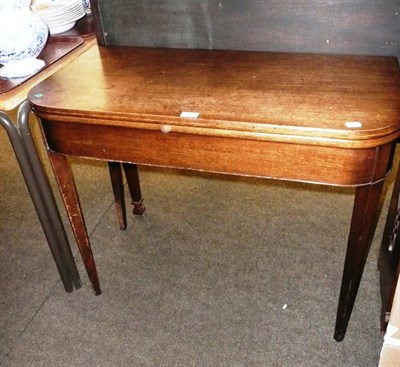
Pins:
x: 220, y: 271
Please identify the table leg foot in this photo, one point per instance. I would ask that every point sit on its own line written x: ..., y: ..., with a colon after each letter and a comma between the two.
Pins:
x: 138, y: 208
x: 362, y: 229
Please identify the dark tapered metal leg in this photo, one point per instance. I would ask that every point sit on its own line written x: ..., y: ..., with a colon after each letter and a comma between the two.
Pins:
x: 58, y: 244
x: 362, y: 228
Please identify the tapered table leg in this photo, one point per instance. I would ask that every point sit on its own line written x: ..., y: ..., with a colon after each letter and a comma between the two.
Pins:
x: 118, y: 190
x: 132, y: 178
x: 362, y: 228
x: 64, y: 177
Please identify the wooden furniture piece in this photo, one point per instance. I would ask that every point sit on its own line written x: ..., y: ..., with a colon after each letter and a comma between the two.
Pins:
x: 59, y: 51
x: 389, y: 256
x: 132, y: 178
x: 314, y: 118
x: 366, y: 27
x: 319, y: 26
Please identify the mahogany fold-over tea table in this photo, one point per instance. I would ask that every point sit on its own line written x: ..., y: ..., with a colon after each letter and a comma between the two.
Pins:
x: 321, y: 119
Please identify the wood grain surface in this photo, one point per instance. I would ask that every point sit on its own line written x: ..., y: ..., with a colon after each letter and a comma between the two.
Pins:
x: 342, y: 101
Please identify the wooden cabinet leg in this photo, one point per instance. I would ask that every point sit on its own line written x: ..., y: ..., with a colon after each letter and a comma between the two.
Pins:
x: 132, y: 177
x: 64, y: 177
x: 118, y: 190
x: 366, y: 204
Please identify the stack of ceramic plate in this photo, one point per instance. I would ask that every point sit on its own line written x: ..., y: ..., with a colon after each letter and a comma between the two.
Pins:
x: 60, y: 15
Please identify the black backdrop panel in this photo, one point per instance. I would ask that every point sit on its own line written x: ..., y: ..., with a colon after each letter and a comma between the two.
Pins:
x: 328, y: 26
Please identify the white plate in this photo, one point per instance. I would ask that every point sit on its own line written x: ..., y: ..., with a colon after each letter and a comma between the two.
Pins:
x: 64, y: 20
x: 62, y: 28
x: 62, y: 15
x: 47, y: 8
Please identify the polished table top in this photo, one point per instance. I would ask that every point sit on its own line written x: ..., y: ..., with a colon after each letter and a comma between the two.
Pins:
x: 315, y: 112
x: 310, y: 99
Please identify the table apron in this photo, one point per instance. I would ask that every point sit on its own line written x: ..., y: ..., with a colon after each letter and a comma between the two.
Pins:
x: 239, y: 156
